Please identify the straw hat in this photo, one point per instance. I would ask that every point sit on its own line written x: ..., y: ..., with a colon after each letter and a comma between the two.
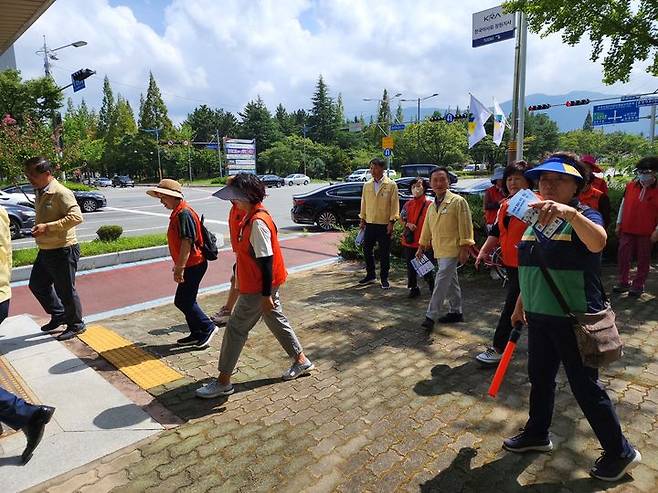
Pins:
x: 167, y: 186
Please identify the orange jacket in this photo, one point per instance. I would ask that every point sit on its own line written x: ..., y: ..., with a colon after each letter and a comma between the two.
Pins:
x: 591, y: 197
x: 414, y: 215
x: 174, y: 240
x: 249, y: 276
x: 493, y: 196
x: 510, y: 235
x: 235, y: 217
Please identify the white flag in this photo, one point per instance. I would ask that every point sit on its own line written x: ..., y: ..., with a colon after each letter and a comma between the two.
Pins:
x: 500, y: 122
x: 479, y: 115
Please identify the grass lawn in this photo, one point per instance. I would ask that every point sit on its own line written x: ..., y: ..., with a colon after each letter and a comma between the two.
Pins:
x: 26, y: 256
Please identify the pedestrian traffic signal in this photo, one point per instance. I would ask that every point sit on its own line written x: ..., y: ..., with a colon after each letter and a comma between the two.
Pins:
x: 577, y: 102
x: 539, y: 107
x: 82, y: 74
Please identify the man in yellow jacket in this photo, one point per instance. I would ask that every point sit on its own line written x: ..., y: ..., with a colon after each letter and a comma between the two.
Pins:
x: 52, y: 280
x: 380, y: 208
x: 448, y: 229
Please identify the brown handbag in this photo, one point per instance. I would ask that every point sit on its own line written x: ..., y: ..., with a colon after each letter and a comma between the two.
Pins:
x: 597, y: 336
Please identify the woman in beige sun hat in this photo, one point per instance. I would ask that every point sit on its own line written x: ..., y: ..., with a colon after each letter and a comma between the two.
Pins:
x: 185, y: 239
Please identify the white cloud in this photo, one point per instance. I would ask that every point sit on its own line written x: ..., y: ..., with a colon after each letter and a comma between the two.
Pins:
x: 225, y: 53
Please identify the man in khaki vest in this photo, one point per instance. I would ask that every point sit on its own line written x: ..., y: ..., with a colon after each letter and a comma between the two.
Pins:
x: 53, y: 274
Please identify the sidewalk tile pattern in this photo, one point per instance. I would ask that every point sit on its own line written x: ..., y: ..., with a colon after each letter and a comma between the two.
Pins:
x: 10, y: 380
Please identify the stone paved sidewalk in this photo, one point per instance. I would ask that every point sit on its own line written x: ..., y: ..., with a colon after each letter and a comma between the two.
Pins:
x: 386, y: 410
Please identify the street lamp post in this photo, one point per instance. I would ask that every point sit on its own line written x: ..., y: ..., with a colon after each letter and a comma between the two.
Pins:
x: 49, y: 54
x: 386, y: 132
x: 418, y: 101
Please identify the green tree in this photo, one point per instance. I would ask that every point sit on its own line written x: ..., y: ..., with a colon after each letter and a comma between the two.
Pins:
x: 35, y: 100
x: 588, y: 126
x: 340, y: 111
x: 257, y: 123
x: 583, y: 142
x: 107, y: 108
x: 82, y: 148
x: 399, y: 114
x: 205, y: 122
x: 384, y: 112
x: 323, y: 115
x: 284, y: 120
x: 154, y: 112
x: 21, y: 142
x: 628, y: 30
x: 431, y: 142
x: 541, y: 136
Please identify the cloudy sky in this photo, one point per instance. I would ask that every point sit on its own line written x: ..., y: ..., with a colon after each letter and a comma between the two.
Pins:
x: 224, y: 53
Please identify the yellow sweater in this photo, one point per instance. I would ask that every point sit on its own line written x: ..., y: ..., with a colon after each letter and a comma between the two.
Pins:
x: 57, y: 208
x: 5, y: 256
x: 449, y: 227
x: 383, y: 207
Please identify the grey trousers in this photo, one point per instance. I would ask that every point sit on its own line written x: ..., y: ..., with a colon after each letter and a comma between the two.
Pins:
x: 246, y: 313
x: 446, y: 286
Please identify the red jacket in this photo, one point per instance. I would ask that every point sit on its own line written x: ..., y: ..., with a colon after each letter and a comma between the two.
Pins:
x: 510, y: 236
x: 235, y: 217
x: 416, y: 211
x: 493, y: 196
x: 249, y: 276
x: 174, y: 240
x: 600, y: 184
x: 639, y: 217
x: 591, y: 197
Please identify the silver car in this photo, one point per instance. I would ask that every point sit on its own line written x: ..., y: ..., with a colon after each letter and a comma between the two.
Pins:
x: 297, y: 179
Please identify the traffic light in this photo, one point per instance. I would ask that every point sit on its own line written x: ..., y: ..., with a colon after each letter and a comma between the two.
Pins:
x: 538, y: 107
x: 577, y: 102
x: 82, y: 74
x: 436, y: 118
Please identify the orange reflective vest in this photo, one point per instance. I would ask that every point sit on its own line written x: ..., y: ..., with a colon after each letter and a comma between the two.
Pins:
x: 510, y: 235
x: 600, y: 184
x: 174, y: 240
x: 235, y: 217
x: 249, y: 276
x: 590, y: 197
x: 492, y: 196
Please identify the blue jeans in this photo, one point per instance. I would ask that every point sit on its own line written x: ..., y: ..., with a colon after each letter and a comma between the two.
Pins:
x: 185, y: 300
x: 14, y: 411
x: 551, y: 341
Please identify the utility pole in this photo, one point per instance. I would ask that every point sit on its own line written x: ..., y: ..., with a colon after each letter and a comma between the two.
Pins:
x: 515, y: 148
x: 652, y: 122
x: 219, y: 155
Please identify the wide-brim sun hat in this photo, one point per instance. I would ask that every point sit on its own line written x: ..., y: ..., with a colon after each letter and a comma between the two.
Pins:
x: 229, y: 192
x: 167, y: 186
x: 591, y: 161
x: 497, y: 174
x: 555, y: 165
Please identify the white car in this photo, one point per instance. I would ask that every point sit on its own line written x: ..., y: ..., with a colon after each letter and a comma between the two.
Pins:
x: 297, y: 179
x: 362, y: 174
x: 473, y: 167
x: 26, y: 199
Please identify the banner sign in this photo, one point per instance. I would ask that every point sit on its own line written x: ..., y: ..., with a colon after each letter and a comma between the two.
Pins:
x: 240, y: 155
x: 492, y: 25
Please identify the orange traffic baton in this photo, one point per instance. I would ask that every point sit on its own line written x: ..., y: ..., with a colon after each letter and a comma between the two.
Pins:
x: 505, y: 359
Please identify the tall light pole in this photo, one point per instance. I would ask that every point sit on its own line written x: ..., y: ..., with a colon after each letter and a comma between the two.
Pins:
x: 49, y: 54
x: 418, y: 101
x: 386, y: 131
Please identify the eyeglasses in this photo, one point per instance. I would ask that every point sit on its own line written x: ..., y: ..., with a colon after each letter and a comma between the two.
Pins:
x: 644, y: 171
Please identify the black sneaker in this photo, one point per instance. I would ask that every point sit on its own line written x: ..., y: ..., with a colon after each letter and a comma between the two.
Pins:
x: 635, y: 293
x: 53, y: 324
x: 385, y: 284
x: 367, y: 280
x: 205, y: 342
x: 187, y: 340
x: 451, y: 318
x: 524, y: 443
x: 71, y: 331
x: 607, y: 468
x: 414, y: 292
x: 621, y: 288
x: 428, y: 324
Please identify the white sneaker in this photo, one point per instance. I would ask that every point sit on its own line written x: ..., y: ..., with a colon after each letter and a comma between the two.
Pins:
x: 214, y: 389
x: 489, y: 357
x: 298, y: 369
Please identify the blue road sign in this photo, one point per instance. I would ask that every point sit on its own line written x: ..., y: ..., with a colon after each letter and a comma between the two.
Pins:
x: 77, y: 84
x: 397, y: 126
x: 609, y: 114
x: 449, y: 118
x: 387, y: 152
x: 648, y: 101
x: 629, y: 98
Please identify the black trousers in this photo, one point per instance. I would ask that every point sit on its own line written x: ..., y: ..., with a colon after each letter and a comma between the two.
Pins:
x: 504, y: 327
x: 52, y: 283
x: 376, y: 233
x: 551, y: 341
x: 412, y: 275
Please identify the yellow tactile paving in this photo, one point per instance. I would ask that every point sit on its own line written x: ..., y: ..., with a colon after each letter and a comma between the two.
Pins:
x: 11, y: 381
x: 141, y: 367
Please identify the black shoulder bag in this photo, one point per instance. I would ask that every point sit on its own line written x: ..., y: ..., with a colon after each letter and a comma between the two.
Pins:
x: 597, y: 336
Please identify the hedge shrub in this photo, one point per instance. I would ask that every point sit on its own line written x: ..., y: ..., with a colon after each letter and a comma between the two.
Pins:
x: 110, y: 232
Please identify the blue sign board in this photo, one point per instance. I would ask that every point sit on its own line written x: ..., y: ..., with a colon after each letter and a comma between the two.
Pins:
x: 387, y: 152
x: 610, y: 114
x: 211, y: 146
x: 629, y: 98
x: 77, y: 84
x: 449, y: 118
x: 647, y: 102
x: 493, y: 39
x: 397, y: 126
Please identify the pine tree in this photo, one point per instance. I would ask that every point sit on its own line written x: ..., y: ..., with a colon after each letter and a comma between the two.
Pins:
x: 340, y: 111
x: 399, y: 114
x: 154, y: 111
x: 323, y: 115
x: 122, y: 124
x: 141, y: 110
x: 588, y: 126
x: 283, y: 120
x: 257, y: 123
x: 384, y: 113
x: 107, y: 108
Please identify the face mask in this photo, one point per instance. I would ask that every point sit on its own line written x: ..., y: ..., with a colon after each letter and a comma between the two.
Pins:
x: 646, y: 180
x: 417, y: 191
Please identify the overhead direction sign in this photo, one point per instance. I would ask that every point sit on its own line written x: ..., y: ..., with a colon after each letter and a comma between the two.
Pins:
x: 397, y: 126
x: 610, y: 114
x: 647, y: 102
x: 492, y: 25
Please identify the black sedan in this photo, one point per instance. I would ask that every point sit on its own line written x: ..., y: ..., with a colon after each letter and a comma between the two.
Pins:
x: 21, y: 220
x: 331, y: 206
x: 272, y: 180
x: 88, y: 201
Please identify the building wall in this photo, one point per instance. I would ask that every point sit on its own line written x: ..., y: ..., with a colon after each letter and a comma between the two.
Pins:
x: 8, y: 59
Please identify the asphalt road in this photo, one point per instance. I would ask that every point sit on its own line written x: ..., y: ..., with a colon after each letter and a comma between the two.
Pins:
x: 140, y: 214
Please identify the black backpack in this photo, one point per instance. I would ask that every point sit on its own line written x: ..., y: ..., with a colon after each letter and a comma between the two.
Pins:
x: 209, y: 246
